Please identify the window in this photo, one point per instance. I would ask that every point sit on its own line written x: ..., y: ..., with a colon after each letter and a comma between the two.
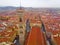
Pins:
x: 21, y: 26
x: 20, y: 19
x: 21, y: 32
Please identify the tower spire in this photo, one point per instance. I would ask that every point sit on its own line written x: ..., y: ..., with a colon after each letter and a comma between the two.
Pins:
x: 20, y: 4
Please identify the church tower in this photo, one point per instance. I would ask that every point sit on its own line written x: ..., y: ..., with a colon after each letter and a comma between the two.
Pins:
x: 22, y: 25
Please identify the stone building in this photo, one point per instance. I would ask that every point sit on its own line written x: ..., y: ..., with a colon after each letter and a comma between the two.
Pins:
x: 22, y: 25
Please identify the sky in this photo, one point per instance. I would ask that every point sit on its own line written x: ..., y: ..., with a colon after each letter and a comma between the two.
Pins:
x: 31, y: 3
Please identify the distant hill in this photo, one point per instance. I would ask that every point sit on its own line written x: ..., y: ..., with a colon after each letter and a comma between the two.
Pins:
x: 7, y: 8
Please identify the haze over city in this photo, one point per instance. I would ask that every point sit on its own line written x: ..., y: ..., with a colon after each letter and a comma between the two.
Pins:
x: 31, y: 3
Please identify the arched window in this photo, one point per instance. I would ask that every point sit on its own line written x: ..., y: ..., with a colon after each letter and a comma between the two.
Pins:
x: 21, y: 26
x: 20, y: 19
x: 21, y: 32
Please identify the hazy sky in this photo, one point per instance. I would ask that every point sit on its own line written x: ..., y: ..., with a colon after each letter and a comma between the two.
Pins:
x: 31, y: 3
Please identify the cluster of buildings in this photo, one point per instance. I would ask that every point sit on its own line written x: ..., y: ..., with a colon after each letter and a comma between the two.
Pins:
x: 52, y: 26
x: 20, y: 22
x: 17, y: 23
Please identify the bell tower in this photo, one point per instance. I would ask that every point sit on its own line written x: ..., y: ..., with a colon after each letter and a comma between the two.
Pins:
x: 22, y: 25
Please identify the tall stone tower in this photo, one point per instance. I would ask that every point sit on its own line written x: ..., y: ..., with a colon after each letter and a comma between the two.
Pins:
x: 22, y: 25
